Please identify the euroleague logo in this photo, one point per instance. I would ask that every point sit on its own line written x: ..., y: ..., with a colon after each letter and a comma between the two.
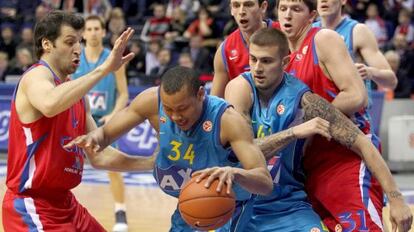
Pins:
x: 315, y: 229
x: 4, y: 125
x: 163, y: 119
x: 280, y: 109
x: 207, y: 126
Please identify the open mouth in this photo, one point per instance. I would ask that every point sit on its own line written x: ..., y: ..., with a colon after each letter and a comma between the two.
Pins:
x: 243, y: 21
x: 76, y: 62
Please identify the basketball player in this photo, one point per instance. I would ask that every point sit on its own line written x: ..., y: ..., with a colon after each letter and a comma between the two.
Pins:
x: 361, y: 43
x: 107, y: 97
x: 320, y: 59
x: 232, y: 56
x: 359, y: 40
x: 47, y: 111
x: 196, y: 132
x: 280, y: 101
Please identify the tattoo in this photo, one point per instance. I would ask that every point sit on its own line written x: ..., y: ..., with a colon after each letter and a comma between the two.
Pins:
x: 341, y: 127
x: 394, y: 194
x: 275, y: 142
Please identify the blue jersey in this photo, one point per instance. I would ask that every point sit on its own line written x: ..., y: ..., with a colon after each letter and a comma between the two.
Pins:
x: 183, y: 152
x: 281, y: 113
x: 280, y: 210
x: 103, y: 95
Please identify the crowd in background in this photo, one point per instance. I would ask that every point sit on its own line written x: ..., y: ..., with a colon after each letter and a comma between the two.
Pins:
x: 187, y: 32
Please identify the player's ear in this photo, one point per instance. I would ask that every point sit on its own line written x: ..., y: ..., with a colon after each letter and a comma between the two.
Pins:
x: 200, y: 93
x: 46, y: 45
x: 264, y: 7
x: 313, y: 14
x: 285, y: 61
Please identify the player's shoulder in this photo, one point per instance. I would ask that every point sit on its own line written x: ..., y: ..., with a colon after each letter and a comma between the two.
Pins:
x: 326, y: 36
x: 150, y: 94
x: 36, y: 73
x: 361, y: 29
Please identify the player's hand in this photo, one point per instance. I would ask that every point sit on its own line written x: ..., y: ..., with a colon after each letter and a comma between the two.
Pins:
x: 364, y: 71
x: 312, y: 127
x: 224, y: 174
x: 400, y: 215
x: 116, y: 59
x: 86, y: 142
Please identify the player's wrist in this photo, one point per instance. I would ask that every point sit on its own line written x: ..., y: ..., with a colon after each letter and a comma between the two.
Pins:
x: 395, y: 196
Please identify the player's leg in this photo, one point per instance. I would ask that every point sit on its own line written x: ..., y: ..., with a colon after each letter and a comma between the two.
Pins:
x: 118, y: 192
x: 12, y: 219
x: 350, y: 194
x: 242, y: 215
x: 82, y: 220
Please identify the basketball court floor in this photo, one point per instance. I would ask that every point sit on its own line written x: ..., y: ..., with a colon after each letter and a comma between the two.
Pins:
x: 148, y: 208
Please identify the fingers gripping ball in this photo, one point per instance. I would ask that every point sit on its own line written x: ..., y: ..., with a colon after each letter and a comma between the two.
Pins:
x: 205, y: 208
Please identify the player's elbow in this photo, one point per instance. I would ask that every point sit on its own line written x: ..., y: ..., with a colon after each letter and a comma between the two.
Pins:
x: 360, y: 99
x: 49, y: 108
x: 393, y: 82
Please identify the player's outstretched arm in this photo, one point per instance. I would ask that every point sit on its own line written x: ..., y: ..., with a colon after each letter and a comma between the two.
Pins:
x: 346, y: 133
x: 114, y: 159
x: 51, y: 100
x: 144, y: 106
x: 221, y: 78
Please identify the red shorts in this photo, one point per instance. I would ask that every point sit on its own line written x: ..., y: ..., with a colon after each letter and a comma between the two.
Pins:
x: 342, y: 190
x: 22, y: 213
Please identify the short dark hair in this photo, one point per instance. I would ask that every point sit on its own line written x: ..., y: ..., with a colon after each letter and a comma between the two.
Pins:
x: 271, y: 37
x: 97, y: 18
x: 176, y: 78
x: 259, y: 1
x: 311, y: 4
x: 50, y: 26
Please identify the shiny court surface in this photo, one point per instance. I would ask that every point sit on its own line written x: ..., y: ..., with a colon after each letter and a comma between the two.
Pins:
x: 148, y: 208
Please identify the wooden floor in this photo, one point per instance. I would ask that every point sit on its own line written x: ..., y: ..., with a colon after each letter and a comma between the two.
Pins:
x: 148, y: 209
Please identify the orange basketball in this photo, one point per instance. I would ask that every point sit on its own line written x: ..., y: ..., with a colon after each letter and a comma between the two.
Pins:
x: 205, y: 209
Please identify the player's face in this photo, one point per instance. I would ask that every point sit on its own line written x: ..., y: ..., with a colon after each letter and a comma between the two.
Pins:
x: 330, y: 7
x: 93, y: 33
x: 266, y: 66
x: 248, y: 14
x: 295, y: 18
x: 66, y: 50
x: 183, y: 108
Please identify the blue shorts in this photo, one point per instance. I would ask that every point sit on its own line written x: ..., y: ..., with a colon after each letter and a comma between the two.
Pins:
x: 301, y: 220
x: 237, y: 223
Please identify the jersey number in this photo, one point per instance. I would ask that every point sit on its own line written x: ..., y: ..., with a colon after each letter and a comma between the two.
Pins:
x: 188, y: 155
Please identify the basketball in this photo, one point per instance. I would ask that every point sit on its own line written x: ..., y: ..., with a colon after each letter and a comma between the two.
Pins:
x: 205, y: 209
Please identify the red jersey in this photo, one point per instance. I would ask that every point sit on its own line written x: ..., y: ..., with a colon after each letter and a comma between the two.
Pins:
x: 331, y: 166
x: 235, y: 52
x: 304, y: 64
x: 37, y: 162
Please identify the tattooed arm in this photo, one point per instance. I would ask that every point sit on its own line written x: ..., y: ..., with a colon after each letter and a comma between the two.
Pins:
x: 239, y: 94
x: 346, y: 133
